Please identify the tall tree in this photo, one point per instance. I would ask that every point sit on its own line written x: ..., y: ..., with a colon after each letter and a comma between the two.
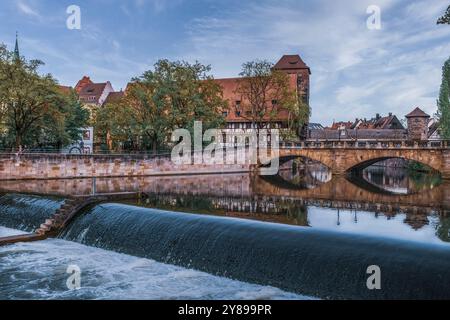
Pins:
x: 115, y: 126
x: 445, y: 19
x: 444, y: 101
x: 34, y: 111
x: 265, y: 93
x: 173, y: 95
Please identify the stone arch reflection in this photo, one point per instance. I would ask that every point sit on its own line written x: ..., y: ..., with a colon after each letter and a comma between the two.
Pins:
x: 396, y: 176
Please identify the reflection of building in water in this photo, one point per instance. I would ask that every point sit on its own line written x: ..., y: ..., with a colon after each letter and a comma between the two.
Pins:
x: 303, y: 212
x: 304, y: 172
x: 396, y: 181
x: 416, y: 220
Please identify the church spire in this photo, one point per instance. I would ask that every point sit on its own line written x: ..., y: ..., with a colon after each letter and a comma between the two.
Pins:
x: 16, y: 49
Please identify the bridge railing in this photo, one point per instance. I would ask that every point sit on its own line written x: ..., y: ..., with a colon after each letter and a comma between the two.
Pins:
x: 368, y: 144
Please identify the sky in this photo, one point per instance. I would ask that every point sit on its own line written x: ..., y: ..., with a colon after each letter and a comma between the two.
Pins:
x: 356, y: 71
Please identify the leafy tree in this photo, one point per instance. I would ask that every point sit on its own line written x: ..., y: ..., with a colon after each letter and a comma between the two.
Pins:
x: 75, y: 118
x: 445, y: 19
x: 173, y: 95
x: 34, y: 112
x: 115, y: 126
x: 444, y: 101
x: 265, y: 93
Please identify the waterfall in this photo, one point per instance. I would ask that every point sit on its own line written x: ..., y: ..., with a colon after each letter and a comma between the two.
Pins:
x: 312, y: 262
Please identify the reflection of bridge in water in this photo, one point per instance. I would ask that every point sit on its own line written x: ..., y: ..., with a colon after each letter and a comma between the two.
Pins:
x: 245, y: 188
x: 340, y: 192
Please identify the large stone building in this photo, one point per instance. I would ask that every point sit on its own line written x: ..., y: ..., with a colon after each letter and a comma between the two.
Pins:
x: 299, y: 81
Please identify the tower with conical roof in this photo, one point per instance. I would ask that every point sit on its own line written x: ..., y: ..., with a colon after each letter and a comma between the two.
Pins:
x: 418, y: 125
x: 16, y: 48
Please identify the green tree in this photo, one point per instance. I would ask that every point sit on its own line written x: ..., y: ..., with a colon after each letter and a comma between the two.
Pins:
x: 115, y: 126
x: 173, y: 95
x: 444, y: 101
x: 34, y: 112
x: 265, y: 93
x: 445, y: 19
x: 75, y: 117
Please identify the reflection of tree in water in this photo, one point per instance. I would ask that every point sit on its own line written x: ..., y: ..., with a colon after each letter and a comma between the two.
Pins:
x: 298, y: 214
x: 197, y: 204
x: 401, y: 176
x: 443, y: 227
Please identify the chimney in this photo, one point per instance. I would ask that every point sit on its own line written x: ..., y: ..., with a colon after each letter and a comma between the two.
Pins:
x: 378, y: 116
x: 390, y: 114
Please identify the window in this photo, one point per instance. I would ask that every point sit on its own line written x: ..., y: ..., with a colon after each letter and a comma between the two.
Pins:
x: 86, y: 135
x: 274, y: 102
x: 238, y: 103
x: 225, y: 113
x: 238, y: 113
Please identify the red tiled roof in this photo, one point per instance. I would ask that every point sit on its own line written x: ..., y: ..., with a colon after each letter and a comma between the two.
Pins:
x: 92, y: 92
x: 291, y: 62
x: 83, y: 82
x: 337, y: 125
x: 418, y: 113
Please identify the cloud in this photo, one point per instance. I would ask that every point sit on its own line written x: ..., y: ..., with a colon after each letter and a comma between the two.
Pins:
x: 158, y: 5
x: 356, y: 72
x: 26, y: 9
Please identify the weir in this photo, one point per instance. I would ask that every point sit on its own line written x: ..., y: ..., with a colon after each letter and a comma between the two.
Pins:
x: 302, y: 260
x: 311, y: 262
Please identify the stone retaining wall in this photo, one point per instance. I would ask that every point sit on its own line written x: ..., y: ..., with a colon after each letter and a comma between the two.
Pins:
x: 55, y: 166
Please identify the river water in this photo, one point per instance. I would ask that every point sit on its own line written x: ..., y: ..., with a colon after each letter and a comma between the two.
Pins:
x: 226, y: 236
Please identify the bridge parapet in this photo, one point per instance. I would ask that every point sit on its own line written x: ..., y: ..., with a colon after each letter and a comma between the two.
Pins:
x: 367, y: 144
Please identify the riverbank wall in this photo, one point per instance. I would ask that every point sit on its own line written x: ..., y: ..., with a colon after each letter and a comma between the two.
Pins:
x: 58, y: 166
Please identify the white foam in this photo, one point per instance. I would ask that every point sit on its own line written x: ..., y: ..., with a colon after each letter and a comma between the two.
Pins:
x: 38, y: 271
x: 6, y: 232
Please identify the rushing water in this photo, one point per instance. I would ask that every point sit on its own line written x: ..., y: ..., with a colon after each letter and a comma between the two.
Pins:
x: 26, y: 212
x: 237, y: 237
x: 38, y: 270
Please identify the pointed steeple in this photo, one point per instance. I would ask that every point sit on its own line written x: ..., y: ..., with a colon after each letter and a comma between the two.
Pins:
x: 16, y: 49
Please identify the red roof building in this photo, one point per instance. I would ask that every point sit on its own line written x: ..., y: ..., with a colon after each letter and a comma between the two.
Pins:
x: 91, y: 93
x: 238, y: 118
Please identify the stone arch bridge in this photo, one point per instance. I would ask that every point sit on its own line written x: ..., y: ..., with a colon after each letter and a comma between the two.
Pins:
x: 343, y: 156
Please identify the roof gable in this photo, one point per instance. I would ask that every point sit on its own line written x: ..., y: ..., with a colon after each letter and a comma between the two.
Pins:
x: 417, y: 113
x: 291, y: 62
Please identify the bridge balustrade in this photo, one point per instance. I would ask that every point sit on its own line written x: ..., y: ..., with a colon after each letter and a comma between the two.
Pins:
x: 372, y: 144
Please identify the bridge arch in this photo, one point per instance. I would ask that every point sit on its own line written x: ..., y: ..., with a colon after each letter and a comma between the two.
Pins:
x: 341, y: 160
x: 324, y: 162
x: 365, y: 161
